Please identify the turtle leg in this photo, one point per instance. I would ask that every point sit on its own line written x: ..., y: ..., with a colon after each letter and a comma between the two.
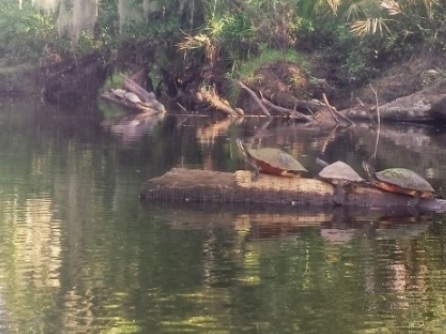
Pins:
x: 255, y: 174
x: 414, y: 205
x: 415, y: 202
x: 339, y: 194
x: 255, y: 170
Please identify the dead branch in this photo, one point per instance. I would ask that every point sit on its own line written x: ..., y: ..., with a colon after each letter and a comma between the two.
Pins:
x: 330, y: 108
x: 255, y: 98
x: 262, y: 102
x: 290, y: 112
x: 336, y: 113
x: 378, y: 116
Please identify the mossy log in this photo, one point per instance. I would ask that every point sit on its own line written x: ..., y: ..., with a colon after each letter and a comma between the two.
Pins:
x: 190, y: 185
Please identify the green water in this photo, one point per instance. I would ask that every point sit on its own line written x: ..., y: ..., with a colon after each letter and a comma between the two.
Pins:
x: 79, y: 253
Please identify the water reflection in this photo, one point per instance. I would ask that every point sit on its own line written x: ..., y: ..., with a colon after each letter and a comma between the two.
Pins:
x: 130, y: 128
x: 80, y: 254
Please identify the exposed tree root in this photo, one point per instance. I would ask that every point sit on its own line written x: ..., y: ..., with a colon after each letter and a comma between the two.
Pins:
x: 212, y: 99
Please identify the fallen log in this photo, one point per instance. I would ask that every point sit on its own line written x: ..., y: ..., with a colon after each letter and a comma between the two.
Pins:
x: 189, y: 185
x: 148, y: 105
x: 134, y: 87
x: 427, y: 105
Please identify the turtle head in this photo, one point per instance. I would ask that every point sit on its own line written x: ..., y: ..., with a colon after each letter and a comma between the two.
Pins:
x: 242, y: 146
x: 321, y: 163
x: 369, y: 170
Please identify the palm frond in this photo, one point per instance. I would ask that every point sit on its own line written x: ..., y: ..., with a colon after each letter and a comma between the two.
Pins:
x: 354, y: 11
x: 369, y: 26
x: 391, y: 7
x: 193, y: 42
x: 333, y: 4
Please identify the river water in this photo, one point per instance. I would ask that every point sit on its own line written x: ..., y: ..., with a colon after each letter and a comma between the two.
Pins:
x: 79, y: 253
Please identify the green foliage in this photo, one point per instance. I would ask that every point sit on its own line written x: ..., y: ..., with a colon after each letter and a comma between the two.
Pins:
x: 30, y: 35
x: 113, y: 81
x: 23, y: 34
x: 265, y: 56
x: 245, y: 33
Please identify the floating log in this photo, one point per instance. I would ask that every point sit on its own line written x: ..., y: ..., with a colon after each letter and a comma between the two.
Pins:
x: 191, y: 185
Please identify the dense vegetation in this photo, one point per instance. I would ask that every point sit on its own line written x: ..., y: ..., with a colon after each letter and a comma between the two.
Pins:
x: 358, y: 37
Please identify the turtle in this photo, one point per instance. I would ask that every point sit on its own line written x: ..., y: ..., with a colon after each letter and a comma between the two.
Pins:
x: 132, y: 97
x: 119, y: 93
x: 402, y: 181
x: 271, y: 161
x: 340, y: 175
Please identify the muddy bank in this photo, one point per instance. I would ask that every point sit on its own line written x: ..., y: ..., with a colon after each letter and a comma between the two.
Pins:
x: 410, y: 91
x: 67, y: 81
x: 22, y: 80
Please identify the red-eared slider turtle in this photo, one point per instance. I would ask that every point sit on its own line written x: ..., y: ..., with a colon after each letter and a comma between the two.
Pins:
x: 120, y: 93
x: 132, y: 97
x: 271, y: 161
x: 402, y: 181
x: 340, y: 175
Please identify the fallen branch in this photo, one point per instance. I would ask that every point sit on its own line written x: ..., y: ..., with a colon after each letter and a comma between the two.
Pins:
x: 263, y: 103
x: 290, y: 113
x: 255, y: 98
x: 336, y: 113
x: 378, y: 117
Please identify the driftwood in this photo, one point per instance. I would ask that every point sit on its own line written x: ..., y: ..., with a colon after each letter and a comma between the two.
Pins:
x: 185, y: 185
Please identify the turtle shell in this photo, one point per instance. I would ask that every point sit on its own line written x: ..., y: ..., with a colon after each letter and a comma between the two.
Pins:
x: 339, y: 171
x: 132, y: 97
x: 403, y: 181
x: 274, y: 161
x: 119, y: 93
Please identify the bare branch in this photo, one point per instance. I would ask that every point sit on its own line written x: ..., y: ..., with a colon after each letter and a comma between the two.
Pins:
x: 255, y: 98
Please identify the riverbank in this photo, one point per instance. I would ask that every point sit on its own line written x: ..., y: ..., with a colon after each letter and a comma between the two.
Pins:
x: 407, y: 91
